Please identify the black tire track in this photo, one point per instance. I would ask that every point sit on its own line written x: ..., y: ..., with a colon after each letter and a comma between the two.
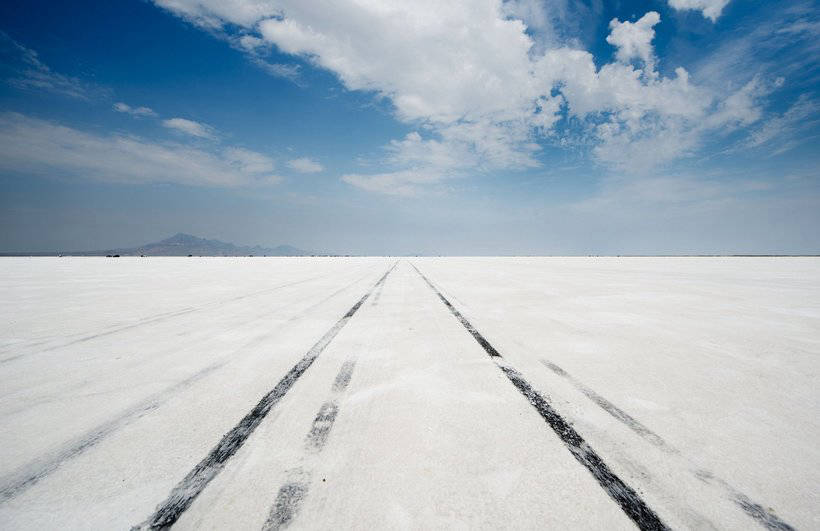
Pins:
x: 287, y: 503
x: 204, y: 339
x: 612, y: 409
x: 30, y: 474
x: 157, y: 319
x: 376, y: 296
x: 758, y: 512
x: 295, y: 490
x: 629, y: 501
x: 764, y: 516
x: 192, y: 485
x: 33, y: 472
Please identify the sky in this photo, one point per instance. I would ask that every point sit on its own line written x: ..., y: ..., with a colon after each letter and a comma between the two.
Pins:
x: 467, y: 127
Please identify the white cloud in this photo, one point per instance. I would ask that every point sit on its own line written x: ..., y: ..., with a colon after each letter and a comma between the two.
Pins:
x: 248, y: 162
x: 634, y: 39
x: 399, y: 183
x: 711, y: 9
x: 190, y: 127
x: 215, y: 13
x: 478, y: 89
x: 410, y: 53
x: 133, y: 111
x: 291, y: 72
x: 305, y: 165
x: 256, y: 49
x: 33, y: 146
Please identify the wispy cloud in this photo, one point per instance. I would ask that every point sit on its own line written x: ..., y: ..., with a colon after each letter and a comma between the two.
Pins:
x: 399, y: 183
x: 190, y: 127
x: 785, y: 131
x: 256, y: 50
x: 291, y: 72
x: 753, y: 48
x: 305, y: 165
x: 33, y: 74
x: 32, y: 146
x: 134, y: 111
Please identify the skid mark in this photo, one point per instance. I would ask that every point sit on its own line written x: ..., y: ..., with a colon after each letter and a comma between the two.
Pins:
x: 186, y: 491
x: 324, y: 420
x: 763, y: 516
x: 343, y: 378
x: 612, y: 409
x: 317, y: 304
x: 156, y: 319
x: 287, y: 503
x: 293, y: 492
x: 32, y: 403
x: 629, y: 501
x: 377, y: 296
x: 586, y: 456
x: 30, y: 474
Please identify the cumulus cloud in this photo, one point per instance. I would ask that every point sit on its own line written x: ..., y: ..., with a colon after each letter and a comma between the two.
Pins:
x: 634, y: 39
x: 190, y: 127
x: 134, y: 111
x: 33, y: 146
x: 479, y: 91
x: 305, y: 165
x: 711, y: 9
x: 215, y: 13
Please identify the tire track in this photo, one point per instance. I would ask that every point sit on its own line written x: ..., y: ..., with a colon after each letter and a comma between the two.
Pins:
x: 295, y: 490
x: 628, y: 500
x: 192, y: 485
x: 30, y: 474
x: 612, y: 409
x: 327, y: 298
x: 196, y: 342
x: 376, y: 296
x: 765, y: 517
x: 757, y: 512
x: 33, y: 472
x: 157, y: 319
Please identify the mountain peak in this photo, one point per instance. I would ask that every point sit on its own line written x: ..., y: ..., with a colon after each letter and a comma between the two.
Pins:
x: 182, y: 244
x: 181, y: 237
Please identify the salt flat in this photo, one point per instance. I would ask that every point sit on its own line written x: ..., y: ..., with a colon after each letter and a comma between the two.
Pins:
x: 409, y: 393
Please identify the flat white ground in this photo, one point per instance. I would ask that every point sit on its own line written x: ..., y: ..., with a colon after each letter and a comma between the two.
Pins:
x: 694, y: 381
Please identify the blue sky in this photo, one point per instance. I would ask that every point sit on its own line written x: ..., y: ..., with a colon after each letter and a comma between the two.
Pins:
x: 463, y: 127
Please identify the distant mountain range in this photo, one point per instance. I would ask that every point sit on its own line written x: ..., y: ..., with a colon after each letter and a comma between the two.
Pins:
x: 185, y: 244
